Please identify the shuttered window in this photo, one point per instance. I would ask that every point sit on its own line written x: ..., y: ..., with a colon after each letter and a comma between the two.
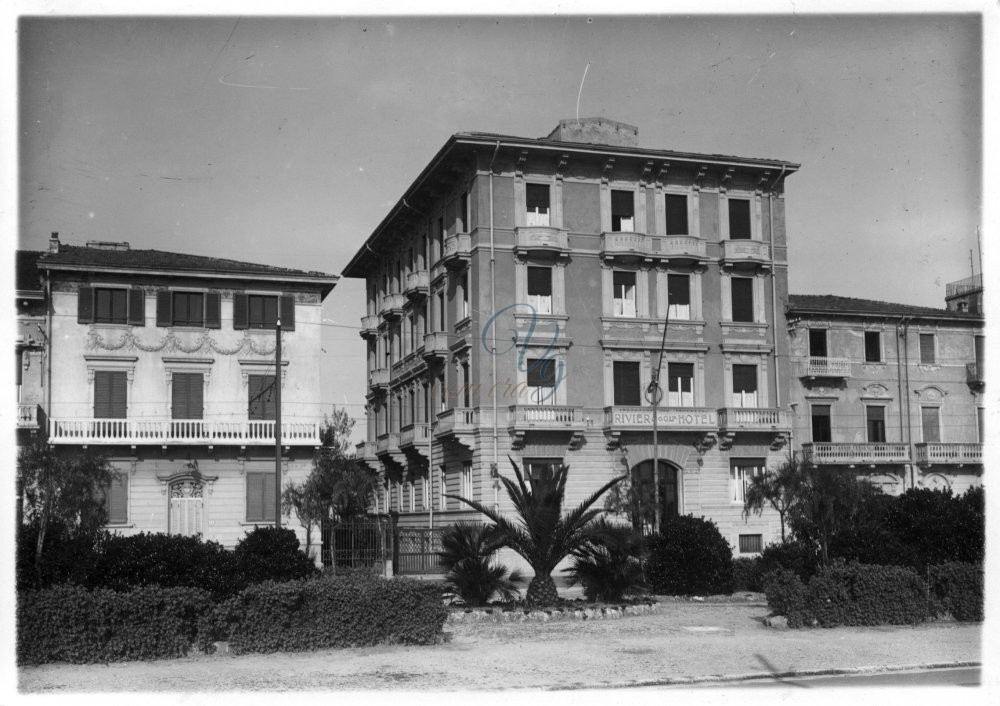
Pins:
x: 187, y: 395
x: 540, y: 289
x: 188, y: 309
x: 260, y: 497
x: 744, y: 385
x: 541, y: 379
x: 622, y: 211
x: 751, y: 543
x: 110, y: 306
x: 679, y: 297
x: 110, y: 394
x: 875, y: 418
x: 114, y: 498
x: 821, y: 423
x: 677, y: 214
x: 536, y: 204
x: 680, y: 384
x: 739, y: 219
x: 624, y: 294
x: 930, y: 419
x: 262, y: 310
x: 873, y: 347
x: 628, y: 389
x: 262, y: 398
x: 742, y: 299
x: 927, y: 354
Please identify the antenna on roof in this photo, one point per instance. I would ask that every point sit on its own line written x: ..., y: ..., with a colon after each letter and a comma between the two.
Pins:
x: 580, y: 92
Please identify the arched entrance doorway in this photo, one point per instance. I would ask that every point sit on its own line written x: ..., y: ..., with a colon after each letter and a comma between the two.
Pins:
x: 187, y: 507
x: 644, y: 495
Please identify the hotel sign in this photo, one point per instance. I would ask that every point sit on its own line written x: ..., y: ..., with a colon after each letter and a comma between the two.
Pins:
x: 665, y: 418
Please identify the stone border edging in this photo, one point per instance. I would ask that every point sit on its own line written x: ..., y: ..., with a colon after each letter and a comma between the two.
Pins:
x: 496, y: 615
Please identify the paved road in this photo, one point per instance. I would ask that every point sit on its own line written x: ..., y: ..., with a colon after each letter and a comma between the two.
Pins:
x: 971, y: 676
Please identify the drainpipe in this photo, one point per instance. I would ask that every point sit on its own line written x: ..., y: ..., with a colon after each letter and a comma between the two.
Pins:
x: 905, y: 322
x: 48, y: 352
x: 495, y: 468
x: 774, y: 294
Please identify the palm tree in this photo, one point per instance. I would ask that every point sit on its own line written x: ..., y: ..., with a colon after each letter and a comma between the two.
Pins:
x: 467, y: 551
x: 542, y: 535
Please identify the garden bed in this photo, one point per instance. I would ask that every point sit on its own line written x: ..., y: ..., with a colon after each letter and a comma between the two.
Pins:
x: 570, y: 611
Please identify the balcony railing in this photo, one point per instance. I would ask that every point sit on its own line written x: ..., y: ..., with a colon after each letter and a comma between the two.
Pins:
x: 27, y: 416
x: 369, y: 325
x: 544, y: 416
x: 820, y: 367
x: 414, y: 434
x: 379, y: 377
x: 417, y: 284
x: 625, y: 245
x: 457, y: 420
x: 949, y: 454
x: 974, y: 374
x: 744, y: 251
x: 365, y: 450
x: 851, y: 453
x: 680, y: 247
x: 457, y: 249
x: 387, y: 443
x: 540, y: 239
x: 752, y: 418
x: 964, y: 286
x: 180, y: 431
x: 436, y: 345
x: 667, y: 418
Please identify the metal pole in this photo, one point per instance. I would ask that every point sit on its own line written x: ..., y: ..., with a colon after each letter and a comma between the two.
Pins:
x: 277, y: 424
x: 653, y: 395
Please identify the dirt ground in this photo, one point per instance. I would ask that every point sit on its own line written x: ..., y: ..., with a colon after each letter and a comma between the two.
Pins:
x: 681, y: 640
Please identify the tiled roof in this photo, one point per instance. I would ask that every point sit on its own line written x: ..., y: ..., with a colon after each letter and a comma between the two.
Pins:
x: 849, y: 305
x: 26, y: 275
x: 75, y: 256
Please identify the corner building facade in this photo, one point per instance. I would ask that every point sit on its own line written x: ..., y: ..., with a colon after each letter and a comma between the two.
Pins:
x: 516, y: 302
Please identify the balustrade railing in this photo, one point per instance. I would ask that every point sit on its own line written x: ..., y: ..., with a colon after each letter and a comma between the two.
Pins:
x: 834, y: 452
x: 955, y: 453
x: 180, y: 431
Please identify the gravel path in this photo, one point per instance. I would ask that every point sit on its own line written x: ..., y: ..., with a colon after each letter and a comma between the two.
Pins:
x: 682, y: 640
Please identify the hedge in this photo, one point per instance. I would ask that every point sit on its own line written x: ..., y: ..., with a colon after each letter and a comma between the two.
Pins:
x: 957, y: 588
x: 689, y: 557
x: 786, y: 594
x: 71, y: 624
x: 747, y: 574
x: 328, y: 612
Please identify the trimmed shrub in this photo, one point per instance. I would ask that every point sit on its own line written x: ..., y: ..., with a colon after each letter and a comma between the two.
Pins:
x: 690, y: 557
x: 747, y: 574
x: 786, y: 595
x: 792, y: 555
x: 861, y: 594
x: 957, y: 588
x: 72, y: 624
x: 609, y: 564
x: 323, y: 613
x: 272, y: 554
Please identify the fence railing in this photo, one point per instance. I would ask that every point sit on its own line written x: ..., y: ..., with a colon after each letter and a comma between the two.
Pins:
x: 363, y: 543
x: 180, y: 431
x: 828, y: 367
x: 27, y: 416
x: 964, y: 286
x: 415, y: 551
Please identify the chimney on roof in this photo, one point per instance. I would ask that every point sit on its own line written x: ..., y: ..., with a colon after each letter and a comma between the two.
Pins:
x: 54, y: 242
x: 596, y: 131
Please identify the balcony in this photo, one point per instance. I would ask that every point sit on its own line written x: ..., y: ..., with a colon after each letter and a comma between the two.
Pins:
x: 436, y: 346
x: 392, y: 306
x: 949, y: 454
x: 27, y: 416
x: 856, y: 453
x: 745, y: 252
x: 457, y: 250
x: 417, y: 284
x: 365, y: 450
x: 540, y: 239
x: 369, y: 326
x: 625, y: 245
x: 975, y: 375
x: 378, y: 379
x: 524, y: 418
x: 387, y: 443
x: 821, y: 367
x: 680, y: 249
x: 753, y: 419
x: 415, y: 437
x: 172, y: 432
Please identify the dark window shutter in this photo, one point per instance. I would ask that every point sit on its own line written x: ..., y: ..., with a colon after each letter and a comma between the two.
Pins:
x: 136, y: 307
x: 213, y: 310
x: 260, y: 497
x: 927, y: 348
x: 288, y: 313
x: 110, y: 394
x: 931, y: 425
x: 164, y: 311
x: 196, y: 396
x: 119, y: 403
x: 744, y: 378
x: 240, y: 308
x: 541, y: 372
x: 85, y: 305
x: 116, y: 498
x: 540, y: 281
x: 188, y: 396
x: 742, y: 299
x: 262, y: 402
x: 677, y: 214
x: 678, y: 290
x: 179, y: 400
x: 681, y: 377
x: 626, y: 383
x: 739, y: 219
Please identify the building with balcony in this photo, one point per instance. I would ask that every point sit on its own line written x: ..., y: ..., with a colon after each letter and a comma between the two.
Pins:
x: 165, y: 363
x: 556, y: 267
x: 891, y: 392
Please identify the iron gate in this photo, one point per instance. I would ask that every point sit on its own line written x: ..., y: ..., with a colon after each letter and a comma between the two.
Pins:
x: 416, y: 551
x: 360, y: 543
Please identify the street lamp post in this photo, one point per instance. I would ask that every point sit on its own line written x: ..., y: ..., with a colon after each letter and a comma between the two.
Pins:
x: 653, y: 395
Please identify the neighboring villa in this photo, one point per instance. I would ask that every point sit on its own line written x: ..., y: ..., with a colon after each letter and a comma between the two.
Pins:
x: 165, y: 363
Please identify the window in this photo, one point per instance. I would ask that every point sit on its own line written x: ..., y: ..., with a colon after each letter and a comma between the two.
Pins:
x: 463, y: 213
x: 262, y: 311
x: 467, y: 480
x: 742, y: 299
x: 440, y: 307
x: 110, y: 396
x: 442, y: 488
x: 261, y: 402
x: 679, y: 297
x: 411, y: 491
x: 742, y: 471
x: 817, y: 342
x: 540, y: 289
x: 821, y: 423
x: 627, y: 386
x: 466, y: 384
x: 110, y: 306
x: 981, y: 424
x: 677, y: 214
x: 188, y: 309
x: 744, y: 385
x: 927, y: 352
x: 624, y: 293
x: 875, y: 417
x: 114, y: 499
x: 187, y: 393
x: 534, y: 468
x: 542, y: 380
x: 425, y: 499
x: 680, y: 385
x: 537, y: 204
x: 463, y: 283
x: 622, y: 211
x: 873, y: 347
x: 963, y: 306
x: 260, y: 497
x: 739, y: 219
x: 930, y: 420
x: 751, y: 543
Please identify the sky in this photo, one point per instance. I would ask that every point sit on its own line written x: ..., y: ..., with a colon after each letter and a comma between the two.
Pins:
x: 286, y: 140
